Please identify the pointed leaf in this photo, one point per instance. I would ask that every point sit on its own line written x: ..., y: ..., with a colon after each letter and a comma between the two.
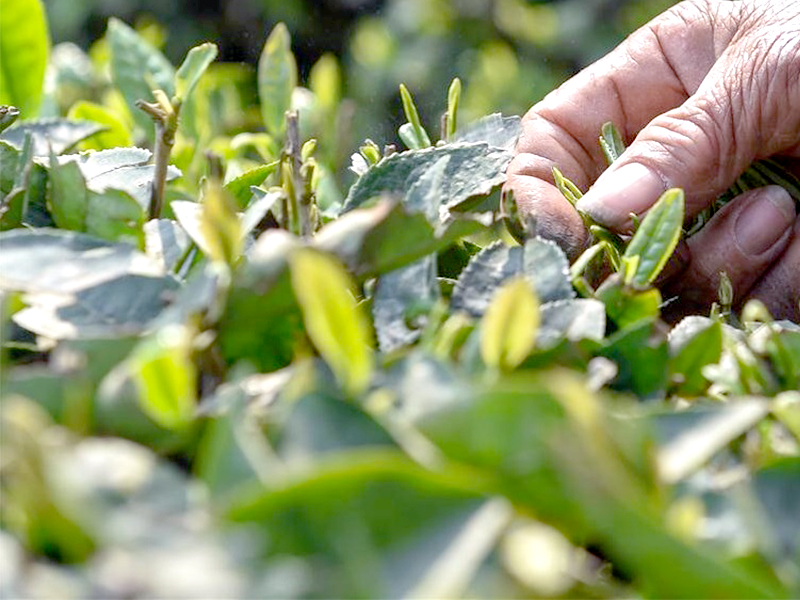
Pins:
x: 335, y: 325
x: 137, y: 68
x: 510, y: 325
x: 220, y: 225
x: 191, y: 70
x: 24, y: 49
x: 656, y: 238
x: 277, y: 78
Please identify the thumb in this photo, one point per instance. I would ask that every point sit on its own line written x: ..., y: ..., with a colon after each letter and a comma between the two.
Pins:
x: 701, y: 146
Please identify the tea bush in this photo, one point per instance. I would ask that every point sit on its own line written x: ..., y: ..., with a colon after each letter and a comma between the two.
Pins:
x: 223, y: 377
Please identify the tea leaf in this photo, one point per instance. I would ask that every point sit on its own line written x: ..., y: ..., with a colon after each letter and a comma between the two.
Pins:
x: 509, y: 327
x: 611, y: 142
x: 191, y: 70
x: 335, y: 325
x: 693, y: 345
x: 24, y: 49
x: 166, y: 377
x: 59, y: 134
x: 115, y: 133
x: 277, y: 78
x: 655, y: 239
x: 137, y: 68
x: 453, y: 100
x: 220, y: 226
x: 413, y: 131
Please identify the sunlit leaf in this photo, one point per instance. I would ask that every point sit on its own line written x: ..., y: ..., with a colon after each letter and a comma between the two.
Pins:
x: 191, y: 70
x: 335, y: 325
x: 656, y: 238
x: 509, y: 327
x: 166, y: 377
x: 24, y: 49
x: 116, y: 134
x: 277, y: 78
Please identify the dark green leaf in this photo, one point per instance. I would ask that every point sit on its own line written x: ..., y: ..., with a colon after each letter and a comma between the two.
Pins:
x: 694, y: 343
x: 59, y: 134
x: 397, y: 295
x: 495, y: 129
x: 541, y: 261
x: 472, y: 169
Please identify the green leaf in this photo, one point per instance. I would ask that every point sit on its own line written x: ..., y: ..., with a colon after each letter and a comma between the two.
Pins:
x: 509, y: 327
x: 694, y: 343
x: 220, y: 225
x: 325, y: 80
x: 397, y: 294
x: 8, y: 115
x: 627, y: 306
x: 68, y: 195
x: 191, y: 70
x: 116, y: 133
x: 640, y: 352
x: 59, y: 134
x: 124, y: 169
x: 453, y: 100
x: 472, y: 169
x: 166, y: 377
x: 694, y: 436
x: 137, y: 69
x: 24, y: 49
x: 277, y: 78
x: 541, y: 261
x: 385, y: 237
x: 64, y: 262
x: 611, y: 142
x: 655, y: 239
x: 495, y: 129
x: 336, y: 327
x: 413, y: 131
x: 240, y: 186
x: 385, y: 521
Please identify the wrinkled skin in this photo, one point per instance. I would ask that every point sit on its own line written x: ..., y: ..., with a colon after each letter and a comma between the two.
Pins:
x: 698, y: 94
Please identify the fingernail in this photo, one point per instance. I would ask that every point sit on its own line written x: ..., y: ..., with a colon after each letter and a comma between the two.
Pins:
x: 631, y: 188
x: 764, y: 221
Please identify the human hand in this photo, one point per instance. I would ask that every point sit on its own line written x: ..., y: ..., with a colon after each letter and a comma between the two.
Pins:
x: 710, y: 86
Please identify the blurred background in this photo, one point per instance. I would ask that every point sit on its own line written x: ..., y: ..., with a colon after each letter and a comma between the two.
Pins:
x: 508, y: 53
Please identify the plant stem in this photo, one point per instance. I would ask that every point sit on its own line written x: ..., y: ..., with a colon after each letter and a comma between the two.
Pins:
x: 166, y: 121
x: 301, y: 201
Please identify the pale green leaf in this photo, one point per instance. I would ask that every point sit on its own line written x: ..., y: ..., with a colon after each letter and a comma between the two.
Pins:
x: 220, y: 225
x: 166, y: 377
x: 335, y: 325
x: 116, y: 133
x: 509, y: 327
x: 194, y: 65
x: 277, y: 78
x: 24, y: 49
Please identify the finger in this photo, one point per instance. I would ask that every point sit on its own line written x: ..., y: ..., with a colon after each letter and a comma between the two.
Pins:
x: 743, y: 239
x: 553, y: 217
x: 779, y: 288
x: 656, y: 69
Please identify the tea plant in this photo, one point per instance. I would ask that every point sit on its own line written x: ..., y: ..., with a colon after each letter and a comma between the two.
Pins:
x: 223, y: 378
